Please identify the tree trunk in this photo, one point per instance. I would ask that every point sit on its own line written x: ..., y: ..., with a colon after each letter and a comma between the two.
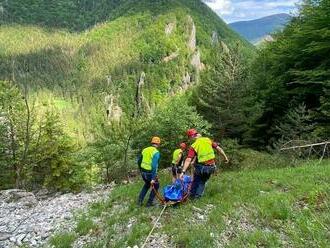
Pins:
x: 15, y: 165
x: 107, y: 173
x: 27, y: 126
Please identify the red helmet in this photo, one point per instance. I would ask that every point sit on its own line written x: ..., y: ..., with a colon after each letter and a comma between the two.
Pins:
x: 192, y: 133
x: 183, y: 146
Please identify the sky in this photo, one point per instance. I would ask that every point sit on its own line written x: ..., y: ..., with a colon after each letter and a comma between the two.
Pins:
x: 241, y: 10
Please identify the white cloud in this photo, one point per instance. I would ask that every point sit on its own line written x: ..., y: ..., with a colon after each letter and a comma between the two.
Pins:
x: 276, y: 4
x: 236, y: 10
x: 223, y: 7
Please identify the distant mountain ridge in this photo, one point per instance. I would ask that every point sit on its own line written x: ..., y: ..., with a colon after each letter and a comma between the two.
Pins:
x: 255, y: 30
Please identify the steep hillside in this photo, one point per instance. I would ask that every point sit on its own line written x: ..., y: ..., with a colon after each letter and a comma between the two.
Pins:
x: 87, y: 55
x: 255, y: 30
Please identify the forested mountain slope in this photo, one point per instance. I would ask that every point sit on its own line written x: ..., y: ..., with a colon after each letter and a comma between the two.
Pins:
x: 75, y: 48
x: 255, y: 30
x: 95, y: 72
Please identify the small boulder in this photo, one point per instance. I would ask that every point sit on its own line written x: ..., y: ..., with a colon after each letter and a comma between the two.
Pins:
x: 19, y: 196
x: 4, y: 236
x: 42, y: 194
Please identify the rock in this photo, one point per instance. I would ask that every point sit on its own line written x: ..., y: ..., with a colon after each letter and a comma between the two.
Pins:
x: 214, y: 38
x: 33, y: 242
x: 196, y: 61
x: 11, y: 195
x: 34, y: 225
x: 186, y: 82
x: 199, y: 210
x: 4, y: 236
x: 20, y: 238
x: 113, y: 110
x: 29, y: 201
x: 225, y: 47
x: 42, y: 194
x: 169, y: 28
x: 192, y: 36
x: 171, y: 57
x: 131, y: 222
x: 44, y: 235
x: 27, y: 238
x: 159, y: 240
x: 200, y: 217
x: 186, y: 79
x: 18, y: 196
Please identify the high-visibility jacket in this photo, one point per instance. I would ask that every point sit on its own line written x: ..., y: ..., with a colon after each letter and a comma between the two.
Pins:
x: 176, y: 155
x: 147, y: 155
x: 203, y: 148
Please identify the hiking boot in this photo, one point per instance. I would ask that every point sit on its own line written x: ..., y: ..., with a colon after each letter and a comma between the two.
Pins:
x: 139, y: 203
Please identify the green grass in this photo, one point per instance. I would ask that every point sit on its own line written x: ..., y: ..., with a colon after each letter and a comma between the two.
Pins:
x: 285, y: 207
x: 62, y: 240
x: 85, y: 225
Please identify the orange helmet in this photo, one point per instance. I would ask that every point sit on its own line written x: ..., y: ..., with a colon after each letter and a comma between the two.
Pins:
x: 192, y: 133
x: 155, y: 140
x: 183, y: 146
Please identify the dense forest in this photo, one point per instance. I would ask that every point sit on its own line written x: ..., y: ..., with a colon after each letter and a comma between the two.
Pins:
x: 85, y: 84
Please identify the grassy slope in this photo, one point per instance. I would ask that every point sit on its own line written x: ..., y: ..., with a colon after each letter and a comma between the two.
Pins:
x: 287, y: 207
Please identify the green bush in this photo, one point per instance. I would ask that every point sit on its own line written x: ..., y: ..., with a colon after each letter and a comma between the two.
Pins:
x: 233, y: 152
x: 255, y: 160
x: 170, y: 122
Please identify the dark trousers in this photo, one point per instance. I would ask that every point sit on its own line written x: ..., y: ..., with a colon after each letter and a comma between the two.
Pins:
x: 176, y: 170
x: 147, y: 177
x: 201, y: 175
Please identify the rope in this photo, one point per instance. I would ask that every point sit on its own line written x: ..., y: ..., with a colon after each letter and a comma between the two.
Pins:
x: 153, y: 228
x: 159, y: 197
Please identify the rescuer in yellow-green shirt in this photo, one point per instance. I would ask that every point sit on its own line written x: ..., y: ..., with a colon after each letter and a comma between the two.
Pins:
x: 148, y: 163
x: 202, y: 150
x: 177, y: 159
